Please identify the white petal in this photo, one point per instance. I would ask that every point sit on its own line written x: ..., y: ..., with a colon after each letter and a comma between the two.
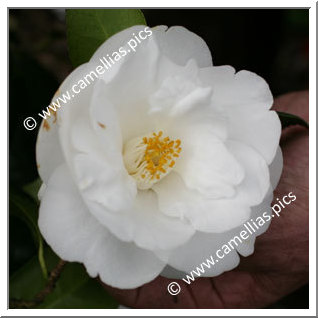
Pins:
x: 204, y: 214
x: 71, y: 115
x: 172, y: 273
x: 179, y: 89
x: 94, y: 155
x: 41, y: 191
x: 239, y: 89
x: 144, y: 224
x: 96, y: 166
x: 173, y: 196
x: 207, y: 166
x: 120, y: 264
x: 104, y: 183
x: 76, y: 236
x: 181, y: 98
x: 180, y: 45
x: 49, y: 154
x: 217, y: 215
x: 261, y: 216
x: 110, y: 192
x: 129, y: 90
x: 256, y: 181
x: 155, y: 230
x: 276, y: 168
x: 202, y: 245
x: 246, y: 248
x: 116, y: 41
x: 259, y: 210
x: 259, y: 130
x: 244, y: 98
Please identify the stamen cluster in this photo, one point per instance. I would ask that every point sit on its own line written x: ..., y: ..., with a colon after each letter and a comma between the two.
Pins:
x: 160, y: 154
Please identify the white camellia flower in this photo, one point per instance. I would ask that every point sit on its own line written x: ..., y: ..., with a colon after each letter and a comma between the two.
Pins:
x: 158, y: 162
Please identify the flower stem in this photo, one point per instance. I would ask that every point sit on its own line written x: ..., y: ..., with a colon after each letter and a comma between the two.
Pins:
x: 49, y: 287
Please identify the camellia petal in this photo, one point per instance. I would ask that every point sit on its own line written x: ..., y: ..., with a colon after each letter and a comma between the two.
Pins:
x: 49, y: 154
x: 276, y: 168
x: 244, y: 98
x: 181, y: 45
x: 199, y: 249
x: 208, y: 166
x: 206, y: 215
x: 143, y: 223
x: 75, y: 235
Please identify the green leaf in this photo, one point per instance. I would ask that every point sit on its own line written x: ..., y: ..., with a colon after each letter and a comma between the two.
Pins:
x: 32, y: 189
x: 27, y: 281
x: 87, y: 29
x: 22, y: 206
x: 74, y: 289
x: 26, y: 209
x: 290, y: 120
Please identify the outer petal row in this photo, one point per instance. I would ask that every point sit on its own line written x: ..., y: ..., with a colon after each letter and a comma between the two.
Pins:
x: 75, y: 235
x: 181, y: 260
x: 245, y: 98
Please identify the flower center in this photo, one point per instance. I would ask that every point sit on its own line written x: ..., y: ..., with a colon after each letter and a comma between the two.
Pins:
x: 149, y: 158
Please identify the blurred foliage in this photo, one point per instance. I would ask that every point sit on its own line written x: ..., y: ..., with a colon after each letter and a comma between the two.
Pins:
x: 272, y: 43
x: 297, y: 19
x: 33, y: 188
x: 22, y: 246
x: 74, y: 289
x: 22, y: 206
x: 87, y: 29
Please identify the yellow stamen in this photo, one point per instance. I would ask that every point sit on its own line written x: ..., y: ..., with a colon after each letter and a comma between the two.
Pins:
x: 150, y: 157
x: 159, y: 152
x: 172, y: 163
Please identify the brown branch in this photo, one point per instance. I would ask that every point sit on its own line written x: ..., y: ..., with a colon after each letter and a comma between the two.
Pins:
x: 39, y: 297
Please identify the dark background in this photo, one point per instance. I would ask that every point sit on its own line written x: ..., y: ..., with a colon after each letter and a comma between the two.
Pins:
x: 273, y: 43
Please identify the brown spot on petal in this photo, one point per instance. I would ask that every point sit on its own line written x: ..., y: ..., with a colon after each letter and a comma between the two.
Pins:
x: 55, y: 117
x: 46, y: 125
x: 101, y: 125
x: 38, y: 166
